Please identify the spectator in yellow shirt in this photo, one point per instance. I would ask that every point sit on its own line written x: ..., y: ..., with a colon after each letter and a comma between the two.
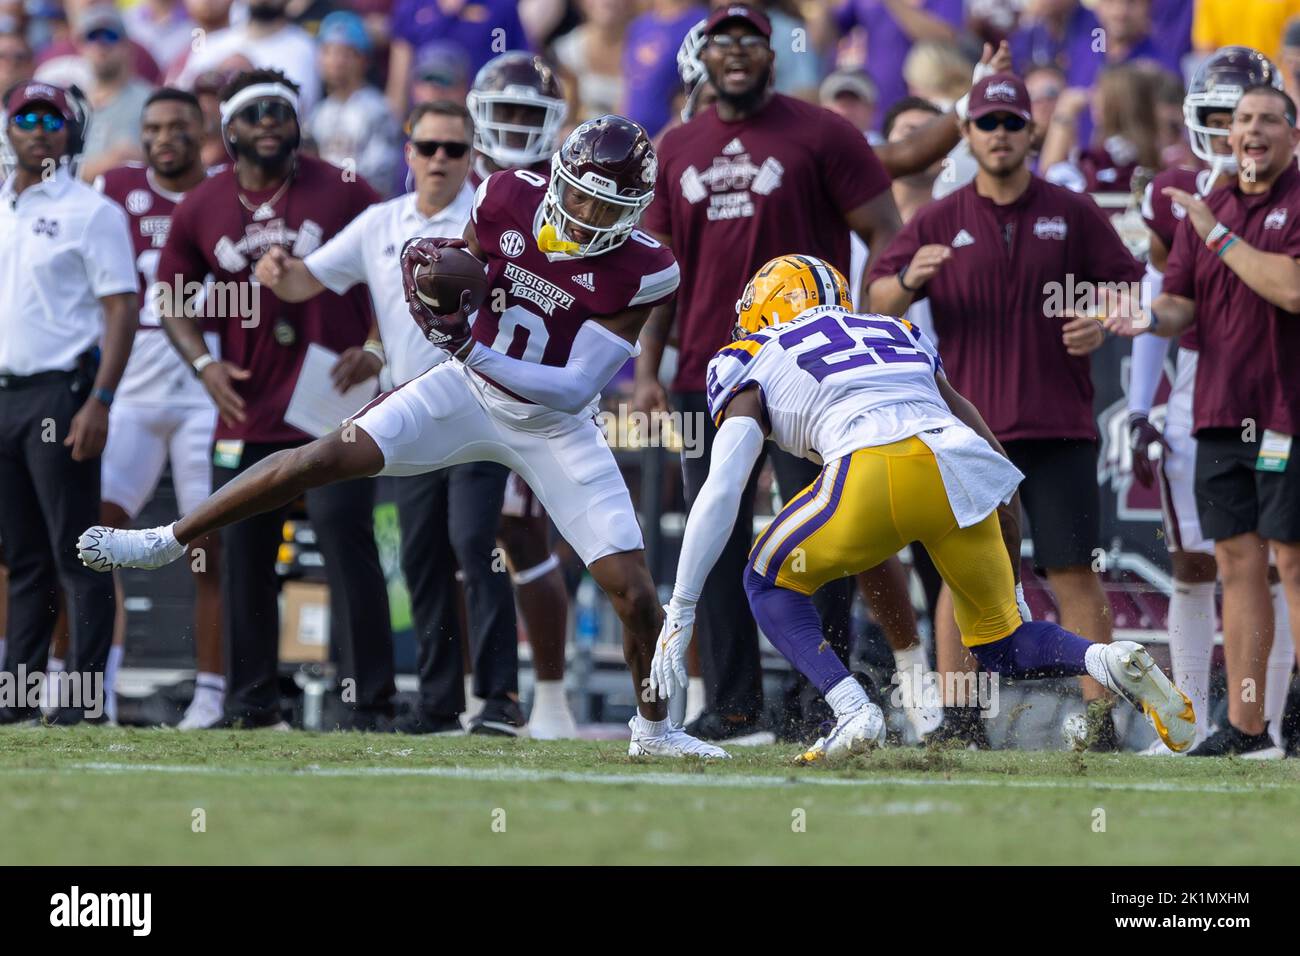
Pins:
x: 1254, y: 23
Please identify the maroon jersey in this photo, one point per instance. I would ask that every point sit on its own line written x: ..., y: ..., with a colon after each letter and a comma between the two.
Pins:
x: 733, y: 195
x: 1102, y: 174
x: 1162, y: 216
x: 213, y: 232
x: 999, y: 303
x: 1248, y: 347
x: 536, y: 301
x: 149, y: 210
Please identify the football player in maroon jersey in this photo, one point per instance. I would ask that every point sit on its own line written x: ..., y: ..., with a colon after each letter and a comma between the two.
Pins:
x: 1207, y: 110
x: 571, y: 282
x: 162, y: 412
x: 518, y: 107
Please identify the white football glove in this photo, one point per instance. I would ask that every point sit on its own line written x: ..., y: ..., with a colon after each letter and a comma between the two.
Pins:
x: 1026, y: 615
x: 668, y: 669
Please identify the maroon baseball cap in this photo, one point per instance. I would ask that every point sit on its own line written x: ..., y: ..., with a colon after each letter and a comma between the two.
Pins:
x: 999, y: 93
x: 33, y: 92
x: 739, y: 11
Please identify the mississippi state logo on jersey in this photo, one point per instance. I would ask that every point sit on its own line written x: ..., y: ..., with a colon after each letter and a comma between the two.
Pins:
x: 536, y: 301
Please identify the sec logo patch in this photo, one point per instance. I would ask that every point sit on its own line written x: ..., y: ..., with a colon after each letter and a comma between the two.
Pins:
x: 512, y: 243
x: 138, y: 201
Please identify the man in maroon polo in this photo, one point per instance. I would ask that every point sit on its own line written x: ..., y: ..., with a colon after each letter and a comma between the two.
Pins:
x: 755, y: 176
x: 1004, y: 262
x: 271, y: 195
x: 1233, y: 271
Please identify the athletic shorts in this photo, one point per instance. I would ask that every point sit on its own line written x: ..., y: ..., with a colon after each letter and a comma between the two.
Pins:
x: 1234, y: 498
x: 1061, y: 498
x: 447, y: 417
x: 141, y: 440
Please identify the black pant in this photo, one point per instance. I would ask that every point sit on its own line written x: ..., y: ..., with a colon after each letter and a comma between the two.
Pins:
x: 447, y: 517
x: 729, y: 655
x: 46, y: 501
x: 342, y: 517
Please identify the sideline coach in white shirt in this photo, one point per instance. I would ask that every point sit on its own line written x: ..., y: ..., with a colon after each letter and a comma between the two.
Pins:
x: 68, y: 315
x: 456, y: 509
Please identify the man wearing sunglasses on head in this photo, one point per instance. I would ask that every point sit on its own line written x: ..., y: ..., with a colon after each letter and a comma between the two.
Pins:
x: 67, y: 316
x: 441, y: 513
x: 988, y: 257
x: 274, y: 196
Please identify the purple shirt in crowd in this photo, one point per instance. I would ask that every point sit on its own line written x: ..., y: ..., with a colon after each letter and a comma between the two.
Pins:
x: 650, y: 66
x: 420, y: 22
x: 1034, y: 44
x: 887, y: 44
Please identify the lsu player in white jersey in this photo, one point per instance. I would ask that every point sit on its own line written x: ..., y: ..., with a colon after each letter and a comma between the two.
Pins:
x: 904, y: 458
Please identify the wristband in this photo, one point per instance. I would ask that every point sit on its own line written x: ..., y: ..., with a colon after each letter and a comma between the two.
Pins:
x: 1226, y: 244
x: 902, y: 275
x: 1217, y: 233
x: 202, y: 362
x: 375, y: 348
x: 103, y: 395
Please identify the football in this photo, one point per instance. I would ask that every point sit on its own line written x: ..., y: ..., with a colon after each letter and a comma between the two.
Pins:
x: 441, y: 284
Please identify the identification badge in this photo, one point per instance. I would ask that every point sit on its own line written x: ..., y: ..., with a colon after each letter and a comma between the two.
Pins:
x: 1274, y: 452
x: 227, y: 452
x: 284, y: 333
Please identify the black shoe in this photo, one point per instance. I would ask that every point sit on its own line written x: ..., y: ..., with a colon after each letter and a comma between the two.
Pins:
x: 711, y: 725
x: 500, y: 718
x: 416, y: 721
x: 1228, y: 741
x: 19, y: 717
x: 71, y: 716
x: 1101, y: 736
x: 961, y: 727
x: 270, y: 720
x: 366, y: 720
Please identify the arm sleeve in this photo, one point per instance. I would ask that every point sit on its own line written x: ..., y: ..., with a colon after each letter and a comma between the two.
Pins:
x: 108, y: 253
x: 338, y: 265
x: 597, y: 354
x: 735, y: 449
x: 1147, y: 361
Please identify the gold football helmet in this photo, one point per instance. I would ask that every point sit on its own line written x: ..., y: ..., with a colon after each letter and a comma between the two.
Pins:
x: 785, y: 288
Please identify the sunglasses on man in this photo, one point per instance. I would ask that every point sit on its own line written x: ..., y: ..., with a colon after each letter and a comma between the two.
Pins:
x: 278, y: 110
x: 29, y: 121
x: 428, y: 148
x: 991, y: 121
x: 104, y: 35
x: 749, y: 42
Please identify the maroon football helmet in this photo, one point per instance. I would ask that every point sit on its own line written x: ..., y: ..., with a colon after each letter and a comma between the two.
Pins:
x: 518, y: 107
x: 602, y: 179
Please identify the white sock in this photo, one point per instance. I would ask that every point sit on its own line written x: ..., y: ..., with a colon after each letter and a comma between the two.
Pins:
x: 908, y: 663
x: 209, y: 688
x: 472, y: 704
x: 650, y: 728
x: 50, y: 686
x: 110, y: 681
x: 1277, y: 678
x: 695, y: 698
x: 549, y: 695
x: 847, y: 697
x: 1097, y: 669
x: 1191, y: 642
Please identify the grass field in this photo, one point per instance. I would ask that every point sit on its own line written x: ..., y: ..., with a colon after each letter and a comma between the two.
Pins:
x: 123, y: 796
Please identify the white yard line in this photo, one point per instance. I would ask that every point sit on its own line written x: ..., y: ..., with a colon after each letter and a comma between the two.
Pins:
x: 657, y: 779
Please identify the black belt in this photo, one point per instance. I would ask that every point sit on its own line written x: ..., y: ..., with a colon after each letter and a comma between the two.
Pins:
x: 9, y: 382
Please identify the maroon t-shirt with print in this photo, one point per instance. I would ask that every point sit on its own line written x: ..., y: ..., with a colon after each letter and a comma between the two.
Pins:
x: 212, y: 232
x: 1250, y: 349
x: 732, y: 195
x: 1000, y: 302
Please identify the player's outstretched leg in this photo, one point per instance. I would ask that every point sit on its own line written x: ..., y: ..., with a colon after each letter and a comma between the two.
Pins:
x: 626, y: 581
x: 973, y: 561
x: 276, y: 480
x: 791, y: 623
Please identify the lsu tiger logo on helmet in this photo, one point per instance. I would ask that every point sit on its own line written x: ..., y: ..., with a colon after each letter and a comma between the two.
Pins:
x: 786, y: 287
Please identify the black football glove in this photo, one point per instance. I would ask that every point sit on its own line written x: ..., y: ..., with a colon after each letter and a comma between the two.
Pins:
x: 1141, y: 436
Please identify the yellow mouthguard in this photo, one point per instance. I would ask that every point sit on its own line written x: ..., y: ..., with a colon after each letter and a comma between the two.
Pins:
x: 549, y: 241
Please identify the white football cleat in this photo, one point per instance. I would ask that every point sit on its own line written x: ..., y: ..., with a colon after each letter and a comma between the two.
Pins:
x: 674, y: 743
x: 552, y: 723
x: 854, y: 733
x: 1138, y: 679
x: 106, y: 549
x: 1157, y: 748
